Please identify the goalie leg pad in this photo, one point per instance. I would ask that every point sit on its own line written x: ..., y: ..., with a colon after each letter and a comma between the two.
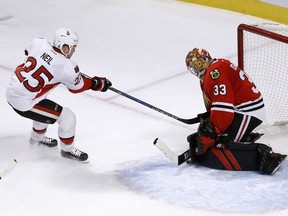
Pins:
x: 235, y: 156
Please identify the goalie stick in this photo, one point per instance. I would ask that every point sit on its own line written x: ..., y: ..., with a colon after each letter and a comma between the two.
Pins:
x: 176, y: 159
x: 8, y: 169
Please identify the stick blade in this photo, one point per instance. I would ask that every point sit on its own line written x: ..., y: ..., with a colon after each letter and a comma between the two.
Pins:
x: 4, y: 18
x: 166, y: 150
x: 8, y: 169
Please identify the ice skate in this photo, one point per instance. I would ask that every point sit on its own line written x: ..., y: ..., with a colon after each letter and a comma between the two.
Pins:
x: 46, y: 141
x: 75, y: 154
x: 271, y: 162
x: 253, y: 137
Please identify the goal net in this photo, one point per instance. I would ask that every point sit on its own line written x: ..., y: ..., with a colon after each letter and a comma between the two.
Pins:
x: 263, y: 55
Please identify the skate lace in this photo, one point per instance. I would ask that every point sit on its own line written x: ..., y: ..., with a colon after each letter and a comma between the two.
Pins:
x: 47, y: 140
x: 76, y: 152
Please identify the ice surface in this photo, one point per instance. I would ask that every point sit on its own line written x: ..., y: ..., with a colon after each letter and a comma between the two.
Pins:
x: 202, y: 188
x: 140, y: 45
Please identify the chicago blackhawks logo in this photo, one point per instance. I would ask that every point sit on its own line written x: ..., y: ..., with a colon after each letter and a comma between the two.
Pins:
x: 215, y: 74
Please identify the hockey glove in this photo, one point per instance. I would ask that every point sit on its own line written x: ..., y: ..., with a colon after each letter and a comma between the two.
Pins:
x: 203, y: 116
x: 100, y: 84
x: 206, y: 137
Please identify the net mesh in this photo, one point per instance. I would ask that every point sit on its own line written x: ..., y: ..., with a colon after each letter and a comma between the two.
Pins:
x: 265, y: 60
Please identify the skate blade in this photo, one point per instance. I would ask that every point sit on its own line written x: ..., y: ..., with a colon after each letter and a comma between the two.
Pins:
x: 283, y: 158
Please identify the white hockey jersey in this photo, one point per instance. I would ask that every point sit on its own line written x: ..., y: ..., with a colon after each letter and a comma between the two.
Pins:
x: 43, y: 69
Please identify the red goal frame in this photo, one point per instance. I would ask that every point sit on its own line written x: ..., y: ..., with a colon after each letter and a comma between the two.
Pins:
x: 254, y: 29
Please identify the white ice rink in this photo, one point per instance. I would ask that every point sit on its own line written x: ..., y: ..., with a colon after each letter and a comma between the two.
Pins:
x: 140, y: 45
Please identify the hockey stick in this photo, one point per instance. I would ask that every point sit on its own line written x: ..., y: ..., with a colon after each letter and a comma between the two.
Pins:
x: 4, y: 18
x: 176, y: 159
x: 8, y: 169
x: 186, y: 121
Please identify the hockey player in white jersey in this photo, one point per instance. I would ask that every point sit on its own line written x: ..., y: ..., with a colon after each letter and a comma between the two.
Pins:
x: 46, y: 66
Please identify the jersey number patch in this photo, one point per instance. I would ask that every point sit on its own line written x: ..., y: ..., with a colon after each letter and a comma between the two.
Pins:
x: 220, y: 89
x: 243, y: 76
x: 36, y: 75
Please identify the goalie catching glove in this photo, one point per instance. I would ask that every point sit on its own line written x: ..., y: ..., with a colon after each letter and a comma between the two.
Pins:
x: 100, y: 84
x: 205, y: 137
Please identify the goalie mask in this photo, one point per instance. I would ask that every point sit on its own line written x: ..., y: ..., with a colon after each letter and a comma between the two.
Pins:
x: 197, y: 61
x: 65, y: 36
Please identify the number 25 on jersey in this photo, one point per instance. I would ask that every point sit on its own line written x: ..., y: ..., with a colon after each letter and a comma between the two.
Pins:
x: 35, y: 74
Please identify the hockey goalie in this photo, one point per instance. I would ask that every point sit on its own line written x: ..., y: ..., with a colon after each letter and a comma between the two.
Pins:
x: 235, y: 107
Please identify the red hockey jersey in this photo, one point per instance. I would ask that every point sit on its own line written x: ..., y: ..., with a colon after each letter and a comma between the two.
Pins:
x: 227, y: 89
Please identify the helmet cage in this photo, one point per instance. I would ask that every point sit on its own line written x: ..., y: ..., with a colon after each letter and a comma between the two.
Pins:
x: 197, y: 61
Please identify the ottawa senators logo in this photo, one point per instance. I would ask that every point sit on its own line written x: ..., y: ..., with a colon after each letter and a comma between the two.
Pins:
x: 215, y: 74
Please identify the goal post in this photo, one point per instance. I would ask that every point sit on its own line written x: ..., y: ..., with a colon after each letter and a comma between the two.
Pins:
x: 263, y: 55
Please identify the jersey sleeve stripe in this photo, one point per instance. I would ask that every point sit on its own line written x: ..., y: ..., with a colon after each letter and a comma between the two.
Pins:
x: 224, y: 107
x: 249, y: 104
x: 253, y: 109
